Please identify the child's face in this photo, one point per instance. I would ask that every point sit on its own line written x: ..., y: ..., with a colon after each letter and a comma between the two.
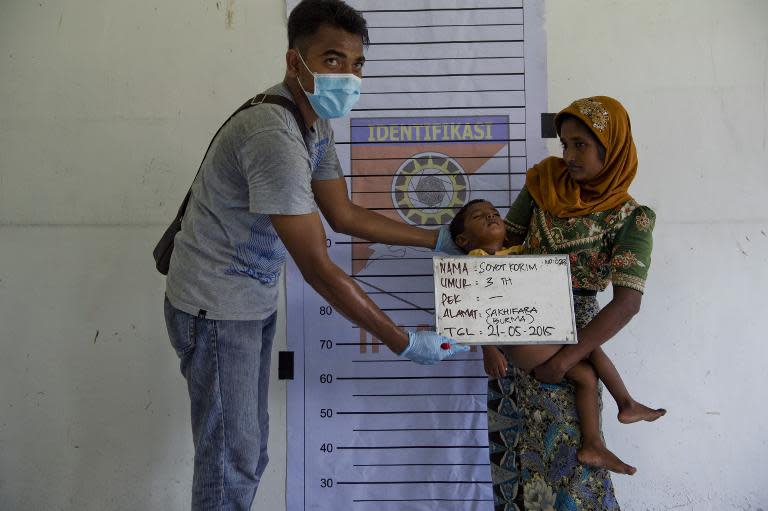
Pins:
x: 483, y: 227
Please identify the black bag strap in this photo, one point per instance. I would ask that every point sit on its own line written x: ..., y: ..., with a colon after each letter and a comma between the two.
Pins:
x: 273, y: 99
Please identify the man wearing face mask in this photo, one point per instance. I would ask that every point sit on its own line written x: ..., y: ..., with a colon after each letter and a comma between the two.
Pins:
x: 257, y: 194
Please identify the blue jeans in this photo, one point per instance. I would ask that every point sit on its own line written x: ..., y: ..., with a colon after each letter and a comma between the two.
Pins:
x: 226, y: 365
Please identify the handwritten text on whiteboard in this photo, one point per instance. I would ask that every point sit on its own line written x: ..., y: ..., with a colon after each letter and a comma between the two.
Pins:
x: 505, y: 300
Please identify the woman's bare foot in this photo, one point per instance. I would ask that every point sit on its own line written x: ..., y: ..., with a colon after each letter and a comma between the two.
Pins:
x: 598, y: 455
x: 635, y: 412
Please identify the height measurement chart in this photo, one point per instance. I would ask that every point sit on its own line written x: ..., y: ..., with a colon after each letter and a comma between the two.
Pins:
x: 449, y: 112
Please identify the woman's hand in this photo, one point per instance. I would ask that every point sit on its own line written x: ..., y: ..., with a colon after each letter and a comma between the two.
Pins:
x: 551, y: 371
x: 608, y: 322
x: 624, y: 305
x: 495, y: 362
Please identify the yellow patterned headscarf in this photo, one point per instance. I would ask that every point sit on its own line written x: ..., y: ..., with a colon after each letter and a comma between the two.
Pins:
x: 553, y: 188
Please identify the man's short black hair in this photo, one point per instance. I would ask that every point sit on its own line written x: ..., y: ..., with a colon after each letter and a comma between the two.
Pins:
x: 307, y: 17
x: 457, y: 224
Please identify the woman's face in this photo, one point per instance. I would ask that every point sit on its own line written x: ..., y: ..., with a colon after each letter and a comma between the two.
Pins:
x: 582, y: 152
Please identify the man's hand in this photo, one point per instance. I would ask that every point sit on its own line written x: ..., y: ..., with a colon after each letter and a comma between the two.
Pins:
x: 495, y: 362
x: 430, y: 348
x: 445, y: 244
x: 551, y: 371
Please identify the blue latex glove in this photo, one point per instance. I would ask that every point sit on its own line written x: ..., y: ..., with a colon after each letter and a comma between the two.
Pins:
x: 445, y: 244
x: 425, y: 347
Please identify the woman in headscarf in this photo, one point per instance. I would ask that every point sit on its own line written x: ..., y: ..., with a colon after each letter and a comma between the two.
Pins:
x: 577, y: 205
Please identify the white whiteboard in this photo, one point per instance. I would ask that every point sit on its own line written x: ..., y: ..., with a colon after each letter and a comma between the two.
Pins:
x: 505, y: 300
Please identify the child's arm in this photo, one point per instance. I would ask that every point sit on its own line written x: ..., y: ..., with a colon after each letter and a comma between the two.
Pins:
x: 495, y: 362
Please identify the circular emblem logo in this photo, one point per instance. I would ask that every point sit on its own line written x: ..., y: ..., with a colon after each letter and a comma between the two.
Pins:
x: 428, y: 188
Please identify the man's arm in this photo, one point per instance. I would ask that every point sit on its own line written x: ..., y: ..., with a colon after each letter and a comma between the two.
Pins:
x: 346, y: 217
x: 304, y: 237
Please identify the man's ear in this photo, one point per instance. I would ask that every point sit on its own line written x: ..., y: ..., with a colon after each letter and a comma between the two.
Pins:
x: 292, y: 63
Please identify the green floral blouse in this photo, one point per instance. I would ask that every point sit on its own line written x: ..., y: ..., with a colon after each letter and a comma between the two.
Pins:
x: 613, y: 245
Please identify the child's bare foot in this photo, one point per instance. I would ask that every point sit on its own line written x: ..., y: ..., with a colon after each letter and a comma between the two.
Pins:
x: 635, y: 412
x: 598, y: 455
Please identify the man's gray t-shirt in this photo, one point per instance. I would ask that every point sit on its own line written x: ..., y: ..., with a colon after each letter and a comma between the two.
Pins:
x: 227, y: 258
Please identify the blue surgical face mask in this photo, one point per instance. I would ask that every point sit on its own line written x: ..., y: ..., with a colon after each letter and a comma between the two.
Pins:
x: 335, y: 93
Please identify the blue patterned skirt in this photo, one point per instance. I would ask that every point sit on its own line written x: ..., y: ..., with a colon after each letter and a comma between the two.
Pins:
x: 533, y: 431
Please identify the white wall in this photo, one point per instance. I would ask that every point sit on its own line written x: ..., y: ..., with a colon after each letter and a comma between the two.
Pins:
x: 105, y: 110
